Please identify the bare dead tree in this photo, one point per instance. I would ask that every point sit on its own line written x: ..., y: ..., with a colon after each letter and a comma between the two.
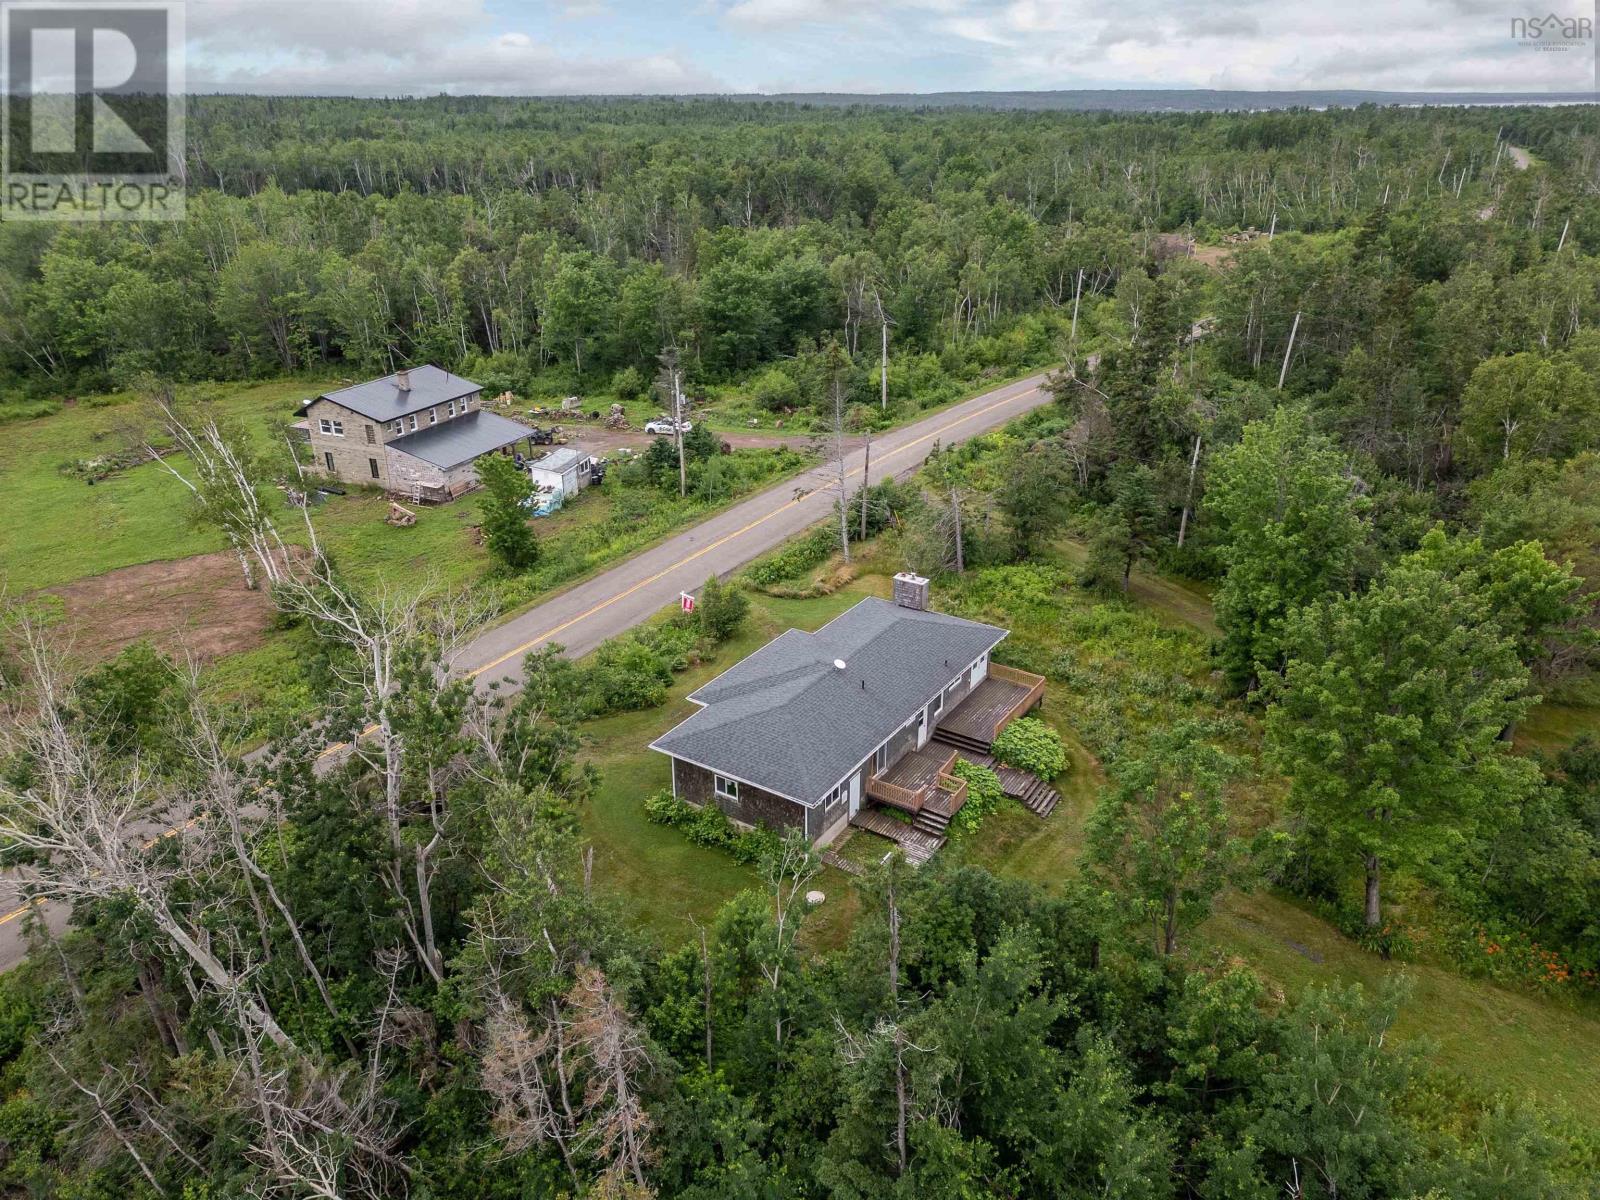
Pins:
x: 313, y: 1131
x: 837, y: 448
x: 890, y: 1036
x: 516, y: 1065
x: 615, y: 1058
x: 90, y: 823
x: 225, y: 488
x: 786, y: 874
x: 234, y: 812
x: 106, y: 1105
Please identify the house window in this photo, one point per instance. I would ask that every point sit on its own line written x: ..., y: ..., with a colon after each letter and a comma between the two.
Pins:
x: 466, y: 403
x: 398, y: 427
x: 372, y: 435
x: 937, y: 707
x: 451, y: 410
x: 331, y: 428
x: 433, y: 416
x: 413, y: 422
x: 372, y: 465
x: 880, y: 759
x: 327, y: 457
x: 727, y: 789
x: 832, y: 797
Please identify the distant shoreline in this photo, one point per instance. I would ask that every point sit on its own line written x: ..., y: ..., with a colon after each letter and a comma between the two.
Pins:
x: 1130, y: 100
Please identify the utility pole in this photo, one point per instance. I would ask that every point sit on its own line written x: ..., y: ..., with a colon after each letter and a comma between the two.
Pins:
x: 672, y: 379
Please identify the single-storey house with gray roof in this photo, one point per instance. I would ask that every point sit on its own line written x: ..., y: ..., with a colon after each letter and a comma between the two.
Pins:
x: 869, y: 709
x: 415, y: 433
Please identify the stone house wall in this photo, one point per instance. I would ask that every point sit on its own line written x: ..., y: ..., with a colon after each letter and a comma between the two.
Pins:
x: 361, y: 445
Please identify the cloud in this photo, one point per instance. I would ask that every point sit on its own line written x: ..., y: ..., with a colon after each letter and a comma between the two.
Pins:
x: 409, y: 47
x: 642, y: 46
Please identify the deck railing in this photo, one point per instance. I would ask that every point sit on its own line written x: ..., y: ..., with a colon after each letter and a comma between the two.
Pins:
x: 895, y: 796
x: 952, y: 795
x: 948, y: 792
x: 1034, y: 684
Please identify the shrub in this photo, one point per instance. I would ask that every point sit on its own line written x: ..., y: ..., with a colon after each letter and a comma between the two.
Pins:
x: 709, y: 826
x: 664, y: 808
x: 775, y: 391
x: 984, y: 795
x: 810, y: 550
x: 630, y: 383
x: 1030, y: 745
x: 722, y: 609
x: 627, y: 675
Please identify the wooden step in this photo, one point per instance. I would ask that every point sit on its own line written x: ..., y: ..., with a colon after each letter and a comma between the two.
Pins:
x: 916, y: 844
x: 1035, y: 795
x: 961, y: 741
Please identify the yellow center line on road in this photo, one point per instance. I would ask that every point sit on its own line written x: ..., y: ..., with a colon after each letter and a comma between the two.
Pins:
x: 17, y: 912
x: 700, y: 553
x: 722, y: 541
x: 547, y: 635
x: 6, y: 918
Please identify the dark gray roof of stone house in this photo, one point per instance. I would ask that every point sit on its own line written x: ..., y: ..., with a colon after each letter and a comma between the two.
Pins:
x: 788, y: 720
x: 382, y: 399
x: 462, y: 439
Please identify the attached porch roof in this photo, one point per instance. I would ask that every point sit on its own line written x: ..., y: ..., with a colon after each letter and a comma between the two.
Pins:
x: 790, y: 721
x: 461, y: 439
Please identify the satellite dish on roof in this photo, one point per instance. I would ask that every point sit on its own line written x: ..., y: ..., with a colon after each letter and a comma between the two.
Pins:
x: 838, y: 664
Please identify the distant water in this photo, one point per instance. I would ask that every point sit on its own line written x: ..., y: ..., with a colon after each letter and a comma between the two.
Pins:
x: 1173, y: 100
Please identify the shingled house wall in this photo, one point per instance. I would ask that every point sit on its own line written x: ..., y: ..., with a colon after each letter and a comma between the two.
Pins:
x: 694, y: 784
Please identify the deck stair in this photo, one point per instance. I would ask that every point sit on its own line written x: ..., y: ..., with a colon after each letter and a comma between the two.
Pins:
x: 1004, y: 695
x: 916, y: 844
x: 1036, y: 796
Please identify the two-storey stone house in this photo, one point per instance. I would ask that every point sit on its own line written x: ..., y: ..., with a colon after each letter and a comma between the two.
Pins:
x: 415, y: 433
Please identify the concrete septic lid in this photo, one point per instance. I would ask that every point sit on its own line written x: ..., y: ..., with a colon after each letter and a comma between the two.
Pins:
x: 815, y: 898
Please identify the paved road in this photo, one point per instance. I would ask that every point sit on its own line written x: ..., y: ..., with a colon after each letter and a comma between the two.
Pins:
x: 599, y: 608
x: 602, y: 607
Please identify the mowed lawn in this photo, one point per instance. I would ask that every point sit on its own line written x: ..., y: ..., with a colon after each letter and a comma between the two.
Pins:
x: 1499, y: 1040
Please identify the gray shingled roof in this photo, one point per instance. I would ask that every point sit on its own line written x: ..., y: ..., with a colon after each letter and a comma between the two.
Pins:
x: 382, y: 399
x: 788, y: 720
x: 451, y: 443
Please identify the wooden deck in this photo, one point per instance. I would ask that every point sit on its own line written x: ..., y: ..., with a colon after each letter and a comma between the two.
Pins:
x: 907, y: 784
x: 917, y: 846
x: 920, y: 783
x: 1005, y: 694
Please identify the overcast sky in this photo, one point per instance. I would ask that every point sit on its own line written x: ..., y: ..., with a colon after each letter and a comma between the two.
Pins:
x: 527, y: 47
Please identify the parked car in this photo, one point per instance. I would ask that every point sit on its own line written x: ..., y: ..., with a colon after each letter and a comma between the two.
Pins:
x: 663, y: 425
